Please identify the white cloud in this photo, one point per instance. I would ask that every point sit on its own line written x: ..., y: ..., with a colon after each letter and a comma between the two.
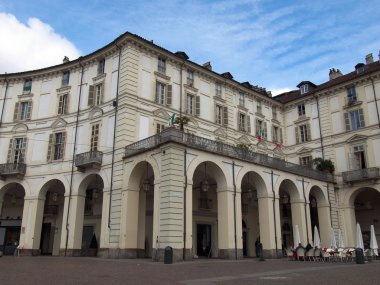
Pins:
x: 279, y: 91
x: 32, y: 46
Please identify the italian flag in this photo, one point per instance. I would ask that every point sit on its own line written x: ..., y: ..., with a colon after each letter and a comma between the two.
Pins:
x: 171, y: 120
x: 260, y: 137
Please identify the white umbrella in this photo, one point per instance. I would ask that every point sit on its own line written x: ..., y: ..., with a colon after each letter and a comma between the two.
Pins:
x: 359, y: 237
x: 373, y: 242
x: 317, y: 240
x: 296, y: 236
x: 332, y: 239
x: 340, y: 239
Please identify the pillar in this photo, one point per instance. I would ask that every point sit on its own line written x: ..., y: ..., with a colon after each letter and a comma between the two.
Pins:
x: 104, y: 244
x: 324, y: 220
x: 299, y: 218
x: 349, y: 222
x: 189, y: 222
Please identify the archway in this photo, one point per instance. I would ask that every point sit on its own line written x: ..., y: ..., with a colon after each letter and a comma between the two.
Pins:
x: 12, y: 207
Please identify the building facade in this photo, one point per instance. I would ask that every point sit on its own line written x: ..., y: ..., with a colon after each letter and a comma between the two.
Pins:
x: 90, y: 167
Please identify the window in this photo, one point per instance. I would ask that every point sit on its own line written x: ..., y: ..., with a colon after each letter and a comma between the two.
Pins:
x: 276, y: 134
x: 62, y: 104
x: 357, y: 157
x: 16, y: 151
x: 304, y: 88
x: 261, y: 129
x: 27, y: 86
x: 161, y: 65
x: 274, y: 113
x: 94, y: 137
x: 306, y: 161
x: 244, y: 123
x: 301, y: 110
x: 66, y: 78
x: 190, y: 77
x: 221, y: 115
x: 259, y: 109
x: 303, y: 133
x: 101, y: 65
x: 193, y: 105
x: 218, y: 89
x: 56, y: 146
x: 354, y: 120
x: 351, y: 95
x: 163, y: 94
x: 95, y: 94
x: 22, y: 111
x: 159, y: 128
x: 241, y: 100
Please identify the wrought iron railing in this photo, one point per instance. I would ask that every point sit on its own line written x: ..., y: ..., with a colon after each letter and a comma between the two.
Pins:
x: 9, y: 169
x: 196, y: 142
x: 88, y: 158
x: 361, y: 174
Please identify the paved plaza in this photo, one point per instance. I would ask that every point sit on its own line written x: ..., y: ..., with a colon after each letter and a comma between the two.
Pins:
x: 69, y: 270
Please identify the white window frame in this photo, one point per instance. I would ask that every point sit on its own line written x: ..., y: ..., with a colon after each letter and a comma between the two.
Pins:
x: 190, y: 77
x: 161, y: 65
x: 218, y: 89
x: 301, y: 110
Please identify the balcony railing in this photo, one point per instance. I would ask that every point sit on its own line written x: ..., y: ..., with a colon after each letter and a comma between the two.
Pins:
x: 361, y: 174
x: 12, y: 169
x: 91, y: 159
x: 193, y: 141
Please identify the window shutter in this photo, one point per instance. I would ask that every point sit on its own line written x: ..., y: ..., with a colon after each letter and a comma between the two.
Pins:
x: 361, y: 115
x: 91, y: 95
x: 308, y: 138
x: 10, y: 151
x: 274, y: 138
x: 248, y: 124
x: 17, y: 109
x: 225, y: 116
x: 197, y: 105
x: 257, y: 127
x: 29, y: 112
x: 66, y: 111
x: 157, y: 90
x: 347, y: 121
x: 169, y: 95
x: 265, y: 130
x: 281, y: 141
x: 102, y: 94
x: 60, y: 101
x: 23, y: 150
x: 300, y: 160
x: 62, y: 154
x: 239, y: 123
x: 297, y: 135
x: 50, y: 147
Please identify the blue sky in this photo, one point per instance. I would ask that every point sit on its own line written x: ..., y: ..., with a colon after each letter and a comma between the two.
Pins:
x: 273, y: 44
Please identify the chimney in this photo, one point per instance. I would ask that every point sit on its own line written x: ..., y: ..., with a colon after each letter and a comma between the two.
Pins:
x: 368, y: 58
x: 334, y: 73
x: 65, y: 59
x: 207, y: 65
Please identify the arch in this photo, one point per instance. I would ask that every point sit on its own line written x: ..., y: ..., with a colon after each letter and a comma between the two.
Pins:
x: 319, y: 194
x: 9, y: 186
x: 48, y: 185
x: 136, y: 168
x: 290, y: 187
x: 92, y: 180
x: 255, y: 179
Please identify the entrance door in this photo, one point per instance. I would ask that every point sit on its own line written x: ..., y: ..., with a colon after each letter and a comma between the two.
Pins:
x: 204, y: 240
x: 245, y: 253
x: 88, y: 233
x: 46, y: 244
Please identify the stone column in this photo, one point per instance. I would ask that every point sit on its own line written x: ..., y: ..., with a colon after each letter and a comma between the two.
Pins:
x: 189, y: 221
x: 156, y: 221
x: 270, y: 227
x: 31, y: 225
x: 73, y: 230
x: 298, y: 218
x: 324, y: 220
x: 104, y: 244
x: 349, y: 224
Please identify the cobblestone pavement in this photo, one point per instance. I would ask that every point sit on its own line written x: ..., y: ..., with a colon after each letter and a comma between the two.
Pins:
x: 68, y: 270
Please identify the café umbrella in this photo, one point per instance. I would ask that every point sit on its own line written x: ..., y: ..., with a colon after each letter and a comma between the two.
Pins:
x: 373, y: 242
x: 296, y: 236
x: 359, y: 237
x: 317, y: 240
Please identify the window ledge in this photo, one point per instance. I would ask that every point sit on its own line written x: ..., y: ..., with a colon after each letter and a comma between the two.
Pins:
x: 161, y: 75
x: 64, y: 89
x: 220, y: 99
x: 26, y: 95
x: 352, y: 105
x: 259, y: 114
x: 275, y: 121
x: 191, y: 88
x: 302, y: 119
x: 99, y: 77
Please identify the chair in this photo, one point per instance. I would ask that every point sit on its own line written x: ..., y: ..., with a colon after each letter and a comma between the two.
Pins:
x: 289, y: 253
x: 326, y: 256
x: 342, y: 254
x: 300, y: 251
x: 317, y: 254
x: 309, y: 255
x: 351, y: 254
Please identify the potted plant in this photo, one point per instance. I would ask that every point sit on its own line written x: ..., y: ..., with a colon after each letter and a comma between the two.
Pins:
x: 184, y: 120
x: 325, y: 165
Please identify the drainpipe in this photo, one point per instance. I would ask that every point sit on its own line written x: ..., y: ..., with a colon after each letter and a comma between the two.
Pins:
x: 374, y: 95
x: 233, y: 179
x: 180, y: 97
x: 115, y: 105
x: 274, y: 212
x: 304, y: 195
x: 184, y: 204
x: 328, y: 198
x: 320, y: 127
x: 73, y: 159
x: 5, y: 97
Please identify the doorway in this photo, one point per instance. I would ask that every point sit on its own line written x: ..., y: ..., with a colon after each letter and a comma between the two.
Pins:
x: 204, y: 240
x: 46, y: 242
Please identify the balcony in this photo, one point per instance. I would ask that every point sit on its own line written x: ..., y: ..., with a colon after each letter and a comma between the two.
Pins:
x: 372, y: 173
x: 12, y: 170
x: 193, y: 141
x: 89, y: 160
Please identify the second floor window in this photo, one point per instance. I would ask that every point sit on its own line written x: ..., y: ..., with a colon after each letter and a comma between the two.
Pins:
x: 276, y: 134
x: 161, y: 65
x: 259, y: 109
x: 303, y: 133
x: 274, y: 113
x: 101, y: 65
x: 66, y: 78
x: 190, y: 77
x: 27, y: 86
x: 22, y: 111
x: 163, y: 94
x: 244, y: 123
x: 241, y: 100
x: 221, y: 115
x: 261, y: 129
x: 63, y: 104
x: 94, y: 137
x: 218, y: 89
x: 16, y: 151
x: 159, y: 128
x: 306, y: 161
x: 193, y: 105
x: 301, y: 110
x: 351, y: 95
x: 56, y: 148
x: 95, y: 94
x: 354, y: 120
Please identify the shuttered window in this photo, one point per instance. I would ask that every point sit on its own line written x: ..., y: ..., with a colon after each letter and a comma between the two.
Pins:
x: 63, y: 104
x: 261, y: 129
x: 244, y: 123
x: 303, y: 133
x: 276, y: 134
x: 22, y: 111
x: 16, y: 150
x: 306, y: 161
x: 94, y: 137
x: 95, y: 95
x: 354, y: 120
x: 163, y: 94
x: 56, y: 148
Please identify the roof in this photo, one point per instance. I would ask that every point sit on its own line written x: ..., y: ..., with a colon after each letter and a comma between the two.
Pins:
x: 296, y: 94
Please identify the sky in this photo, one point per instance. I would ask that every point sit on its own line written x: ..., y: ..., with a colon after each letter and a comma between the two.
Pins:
x: 274, y: 44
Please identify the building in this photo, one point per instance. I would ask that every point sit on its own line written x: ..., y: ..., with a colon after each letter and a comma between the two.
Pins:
x: 89, y: 166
